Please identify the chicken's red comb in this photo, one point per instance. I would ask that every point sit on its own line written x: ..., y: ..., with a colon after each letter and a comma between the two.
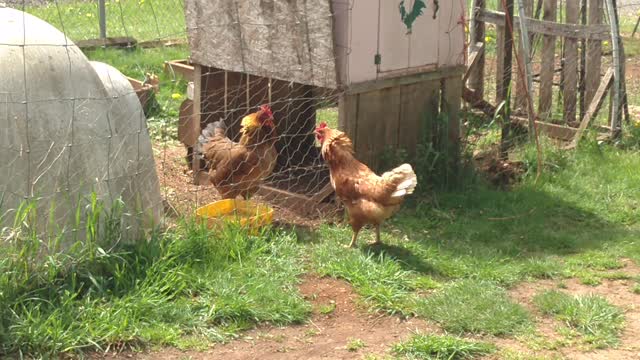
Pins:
x: 266, y: 109
x: 322, y: 125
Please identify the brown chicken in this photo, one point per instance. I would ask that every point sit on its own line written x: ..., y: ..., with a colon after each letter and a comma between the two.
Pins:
x: 237, y: 169
x: 368, y: 198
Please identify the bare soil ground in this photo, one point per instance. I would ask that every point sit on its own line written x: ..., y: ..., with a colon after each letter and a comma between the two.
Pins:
x: 337, y: 319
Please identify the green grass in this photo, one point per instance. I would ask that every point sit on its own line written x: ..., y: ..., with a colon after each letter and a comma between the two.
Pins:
x: 441, y: 347
x: 592, y: 316
x: 141, y: 19
x: 185, y: 287
x: 355, y: 344
x: 136, y: 63
x: 477, y: 307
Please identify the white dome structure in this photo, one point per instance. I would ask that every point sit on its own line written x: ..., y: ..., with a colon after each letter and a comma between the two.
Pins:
x: 68, y: 128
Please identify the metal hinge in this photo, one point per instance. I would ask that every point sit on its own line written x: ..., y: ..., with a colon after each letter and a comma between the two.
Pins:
x: 377, y: 59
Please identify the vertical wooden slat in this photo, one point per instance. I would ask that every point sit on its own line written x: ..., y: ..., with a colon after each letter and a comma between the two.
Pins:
x: 452, y: 91
x: 506, y: 77
x: 547, y: 63
x: 570, y: 69
x: 500, y: 66
x: 419, y: 107
x: 197, y: 112
x: 594, y: 53
x: 476, y: 75
x: 378, y: 114
x: 521, y: 87
x: 583, y: 60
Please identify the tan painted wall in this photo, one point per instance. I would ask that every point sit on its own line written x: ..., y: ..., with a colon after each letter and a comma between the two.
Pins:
x: 431, y: 44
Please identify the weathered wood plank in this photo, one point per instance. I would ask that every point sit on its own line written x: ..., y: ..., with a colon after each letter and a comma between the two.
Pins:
x: 179, y: 67
x: 199, y: 177
x: 548, y: 62
x: 520, y: 101
x: 419, y: 107
x: 500, y: 66
x: 556, y: 131
x: 452, y: 94
x: 477, y: 28
x: 505, y: 139
x: 373, y: 85
x: 188, y: 130
x: 474, y: 60
x: 570, y: 67
x: 348, y: 115
x: 377, y: 129
x: 594, y: 107
x: 121, y: 42
x: 294, y: 202
x: 594, y: 52
x: 593, y: 32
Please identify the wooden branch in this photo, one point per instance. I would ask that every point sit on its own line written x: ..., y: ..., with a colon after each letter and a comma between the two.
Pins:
x: 594, y: 107
x: 590, y: 32
x: 474, y: 58
x: 474, y: 99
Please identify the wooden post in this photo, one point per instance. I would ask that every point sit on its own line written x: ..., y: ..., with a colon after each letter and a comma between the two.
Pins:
x: 548, y: 63
x: 521, y: 86
x: 570, y: 68
x: 524, y: 71
x: 500, y: 57
x: 594, y: 53
x: 477, y: 35
x: 583, y: 60
x: 616, y: 96
x: 506, y: 78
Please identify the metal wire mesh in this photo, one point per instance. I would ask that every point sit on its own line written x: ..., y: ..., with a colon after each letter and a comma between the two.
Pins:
x: 90, y: 137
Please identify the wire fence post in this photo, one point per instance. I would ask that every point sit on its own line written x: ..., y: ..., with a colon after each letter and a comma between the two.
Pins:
x: 103, y: 19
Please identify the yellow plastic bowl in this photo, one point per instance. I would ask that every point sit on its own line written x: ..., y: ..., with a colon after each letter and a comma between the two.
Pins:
x: 243, y: 212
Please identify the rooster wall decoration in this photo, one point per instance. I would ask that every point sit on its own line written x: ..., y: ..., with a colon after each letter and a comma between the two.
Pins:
x: 408, y: 18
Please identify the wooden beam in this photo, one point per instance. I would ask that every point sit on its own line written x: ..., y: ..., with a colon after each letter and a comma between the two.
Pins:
x: 555, y: 131
x: 162, y: 43
x: 505, y: 142
x: 121, y: 42
x: 374, y: 85
x: 474, y: 60
x: 520, y: 101
x: 477, y: 35
x: 594, y: 107
x: 594, y: 52
x: 591, y: 32
x: 548, y: 55
x: 300, y: 204
x: 570, y: 67
x: 180, y: 67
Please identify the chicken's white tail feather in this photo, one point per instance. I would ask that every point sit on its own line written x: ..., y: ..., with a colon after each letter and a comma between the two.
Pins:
x: 409, y: 182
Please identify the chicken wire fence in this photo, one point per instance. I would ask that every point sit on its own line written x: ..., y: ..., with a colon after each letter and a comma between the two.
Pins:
x: 569, y: 72
x: 71, y: 137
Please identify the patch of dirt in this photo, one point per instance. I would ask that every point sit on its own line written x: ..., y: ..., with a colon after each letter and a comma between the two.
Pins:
x: 337, y: 319
x: 618, y: 292
x: 500, y: 173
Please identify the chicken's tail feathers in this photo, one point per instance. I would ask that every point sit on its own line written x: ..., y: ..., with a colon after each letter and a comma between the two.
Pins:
x: 217, y: 128
x: 404, y: 179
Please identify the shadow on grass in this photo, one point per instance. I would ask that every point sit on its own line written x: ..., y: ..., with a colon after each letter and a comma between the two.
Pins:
x: 500, y: 236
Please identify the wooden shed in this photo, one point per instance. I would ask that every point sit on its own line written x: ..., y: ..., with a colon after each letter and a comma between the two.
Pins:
x: 391, y: 66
